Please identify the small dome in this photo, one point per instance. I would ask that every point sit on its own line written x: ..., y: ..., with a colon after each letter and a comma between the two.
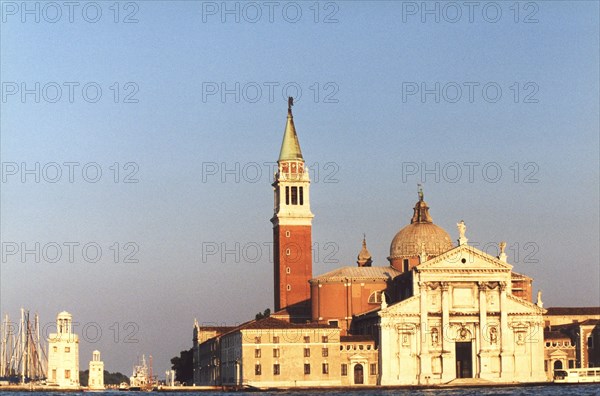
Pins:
x: 364, y: 257
x: 421, y: 235
x: 64, y: 314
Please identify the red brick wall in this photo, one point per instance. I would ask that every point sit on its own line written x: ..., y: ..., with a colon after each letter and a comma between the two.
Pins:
x: 299, y: 262
x: 335, y: 301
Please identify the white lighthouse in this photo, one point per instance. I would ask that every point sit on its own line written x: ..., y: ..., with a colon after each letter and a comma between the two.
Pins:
x: 96, y: 376
x: 63, y: 353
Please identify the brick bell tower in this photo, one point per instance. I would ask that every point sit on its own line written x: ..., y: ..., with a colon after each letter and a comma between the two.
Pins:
x: 292, y: 227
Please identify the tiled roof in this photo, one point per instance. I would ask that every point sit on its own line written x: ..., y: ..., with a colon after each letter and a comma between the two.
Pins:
x: 272, y: 323
x: 573, y: 311
x: 344, y: 273
x: 217, y: 329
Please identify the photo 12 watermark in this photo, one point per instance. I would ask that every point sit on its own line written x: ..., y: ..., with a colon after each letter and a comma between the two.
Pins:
x: 470, y: 172
x: 253, y: 252
x: 57, y: 12
x: 53, y: 252
x: 254, y: 172
x: 469, y: 92
x: 69, y: 172
x: 91, y: 332
x: 268, y: 91
x: 252, y: 12
x: 469, y: 12
x: 69, y: 92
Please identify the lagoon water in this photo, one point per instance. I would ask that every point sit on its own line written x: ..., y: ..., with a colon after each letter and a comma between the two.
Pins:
x: 564, y: 390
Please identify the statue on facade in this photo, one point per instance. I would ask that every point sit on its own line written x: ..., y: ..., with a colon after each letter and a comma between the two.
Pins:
x: 462, y: 228
x: 493, y: 335
x: 434, y: 336
x: 383, y: 301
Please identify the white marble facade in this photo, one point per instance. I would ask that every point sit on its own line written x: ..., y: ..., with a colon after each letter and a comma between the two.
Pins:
x: 462, y: 321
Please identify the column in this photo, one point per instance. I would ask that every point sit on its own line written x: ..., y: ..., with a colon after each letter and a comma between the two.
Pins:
x: 448, y: 366
x: 483, y: 344
x: 506, y: 354
x: 424, y: 358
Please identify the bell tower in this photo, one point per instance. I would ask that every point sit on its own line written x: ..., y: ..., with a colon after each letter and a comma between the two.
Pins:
x: 292, y: 227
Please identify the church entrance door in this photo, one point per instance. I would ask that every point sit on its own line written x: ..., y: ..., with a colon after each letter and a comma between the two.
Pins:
x: 358, y: 374
x: 464, y: 360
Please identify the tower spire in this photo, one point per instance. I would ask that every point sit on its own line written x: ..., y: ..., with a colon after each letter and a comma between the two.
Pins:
x: 290, y: 147
x: 292, y: 227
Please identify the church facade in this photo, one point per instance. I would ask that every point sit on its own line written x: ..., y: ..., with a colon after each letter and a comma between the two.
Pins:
x: 437, y: 312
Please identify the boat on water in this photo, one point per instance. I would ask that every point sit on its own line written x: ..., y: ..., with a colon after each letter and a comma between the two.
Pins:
x: 577, y: 375
x: 141, y: 379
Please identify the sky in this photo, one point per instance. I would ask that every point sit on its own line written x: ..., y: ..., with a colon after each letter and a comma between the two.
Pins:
x: 138, y: 141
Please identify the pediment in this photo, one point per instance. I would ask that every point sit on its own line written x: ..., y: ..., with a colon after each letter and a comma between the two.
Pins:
x: 518, y: 306
x: 410, y: 306
x: 464, y: 258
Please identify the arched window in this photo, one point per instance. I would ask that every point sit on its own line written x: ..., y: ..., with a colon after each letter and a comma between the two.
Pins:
x: 375, y: 297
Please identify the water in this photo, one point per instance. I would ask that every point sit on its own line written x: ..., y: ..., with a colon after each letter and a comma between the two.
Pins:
x: 563, y: 390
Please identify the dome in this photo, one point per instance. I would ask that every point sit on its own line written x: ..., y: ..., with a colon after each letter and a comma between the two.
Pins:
x: 421, y: 235
x: 418, y: 237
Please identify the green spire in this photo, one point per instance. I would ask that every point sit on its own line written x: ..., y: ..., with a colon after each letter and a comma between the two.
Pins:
x: 290, y: 147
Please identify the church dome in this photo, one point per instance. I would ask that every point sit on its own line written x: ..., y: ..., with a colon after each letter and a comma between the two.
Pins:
x: 420, y: 236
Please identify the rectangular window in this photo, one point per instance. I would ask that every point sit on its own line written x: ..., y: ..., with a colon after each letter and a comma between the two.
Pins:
x: 276, y: 369
x: 571, y: 364
x: 257, y: 353
x: 306, y: 352
x: 55, y: 349
x: 306, y: 368
x: 301, y: 195
x: 67, y: 374
x: 333, y: 323
x: 344, y: 369
x: 325, y: 368
x: 294, y: 195
x: 53, y: 374
x: 257, y: 340
x: 67, y: 349
x: 275, y: 339
x: 373, y: 369
x: 287, y: 195
x: 325, y: 352
x: 324, y: 339
x: 257, y: 369
x: 307, y: 339
x: 405, y: 265
x: 275, y: 352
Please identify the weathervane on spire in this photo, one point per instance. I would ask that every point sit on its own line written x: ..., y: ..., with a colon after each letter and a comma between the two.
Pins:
x: 290, y: 103
x: 420, y: 191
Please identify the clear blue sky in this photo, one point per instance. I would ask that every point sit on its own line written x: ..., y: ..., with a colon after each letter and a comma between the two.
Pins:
x: 362, y: 125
